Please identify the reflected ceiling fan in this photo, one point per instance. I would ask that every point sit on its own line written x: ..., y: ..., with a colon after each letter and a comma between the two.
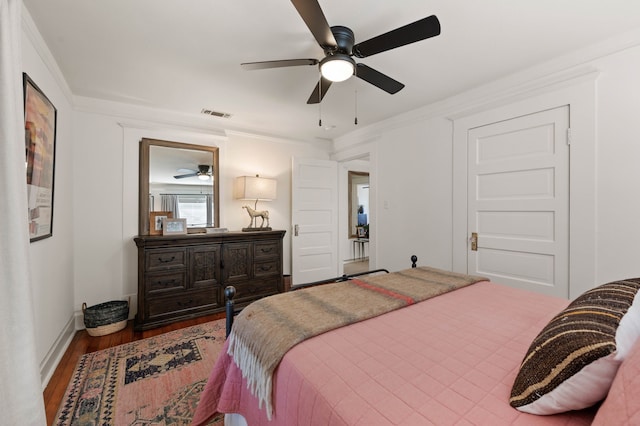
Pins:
x: 204, y: 172
x: 339, y: 48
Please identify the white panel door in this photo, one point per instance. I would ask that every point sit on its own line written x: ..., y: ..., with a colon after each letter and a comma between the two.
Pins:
x: 518, y: 200
x: 314, y: 215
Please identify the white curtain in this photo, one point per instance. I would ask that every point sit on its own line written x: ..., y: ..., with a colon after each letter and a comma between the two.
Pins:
x: 169, y: 203
x: 210, y: 210
x: 21, y: 400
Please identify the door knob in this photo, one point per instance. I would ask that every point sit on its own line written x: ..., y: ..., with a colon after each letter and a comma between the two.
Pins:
x: 474, y: 241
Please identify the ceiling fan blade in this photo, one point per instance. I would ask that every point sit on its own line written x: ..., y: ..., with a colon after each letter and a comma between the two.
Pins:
x: 278, y: 64
x: 416, y: 31
x: 185, y: 176
x: 316, y: 97
x: 313, y: 16
x: 378, y: 79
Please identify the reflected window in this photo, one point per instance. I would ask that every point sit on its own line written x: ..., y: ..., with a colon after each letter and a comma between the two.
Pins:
x: 196, y: 209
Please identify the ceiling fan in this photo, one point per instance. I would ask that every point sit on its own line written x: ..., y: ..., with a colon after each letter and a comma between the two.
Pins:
x: 204, y: 172
x: 339, y: 48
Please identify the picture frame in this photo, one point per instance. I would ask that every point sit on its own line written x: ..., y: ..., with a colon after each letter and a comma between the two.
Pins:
x: 40, y: 117
x: 155, y: 221
x: 174, y: 226
x: 362, y: 233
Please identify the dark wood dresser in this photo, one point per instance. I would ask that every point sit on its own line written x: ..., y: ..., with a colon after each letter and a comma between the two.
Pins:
x: 184, y: 276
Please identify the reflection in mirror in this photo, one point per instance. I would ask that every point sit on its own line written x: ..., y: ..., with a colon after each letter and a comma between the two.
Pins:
x: 181, y: 179
x: 358, y: 204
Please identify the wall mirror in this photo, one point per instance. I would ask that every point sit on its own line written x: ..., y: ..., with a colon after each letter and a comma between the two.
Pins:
x: 178, y: 180
x: 358, y: 204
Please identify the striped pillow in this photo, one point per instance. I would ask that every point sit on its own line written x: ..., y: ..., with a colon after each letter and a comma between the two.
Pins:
x: 570, y: 365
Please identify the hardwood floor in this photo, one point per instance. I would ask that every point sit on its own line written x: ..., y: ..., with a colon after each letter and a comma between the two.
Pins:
x: 356, y: 266
x: 82, y: 344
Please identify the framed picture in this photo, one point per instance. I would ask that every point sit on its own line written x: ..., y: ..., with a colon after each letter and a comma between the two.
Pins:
x: 362, y: 233
x: 155, y: 221
x: 40, y: 148
x: 174, y: 226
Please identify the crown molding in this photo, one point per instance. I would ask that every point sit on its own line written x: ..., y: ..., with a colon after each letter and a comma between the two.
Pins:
x: 321, y: 143
x: 156, y: 126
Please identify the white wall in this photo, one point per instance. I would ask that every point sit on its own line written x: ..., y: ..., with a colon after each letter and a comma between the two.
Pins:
x: 98, y: 190
x: 52, y: 258
x: 413, y: 189
x: 618, y: 172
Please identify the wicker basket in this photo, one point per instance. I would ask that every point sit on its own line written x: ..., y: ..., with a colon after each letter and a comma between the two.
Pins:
x: 105, y: 318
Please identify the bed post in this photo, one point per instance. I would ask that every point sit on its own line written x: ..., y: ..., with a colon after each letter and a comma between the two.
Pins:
x: 414, y: 259
x: 229, y: 293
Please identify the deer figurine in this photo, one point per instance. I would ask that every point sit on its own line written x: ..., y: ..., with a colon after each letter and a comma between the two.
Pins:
x: 263, y: 214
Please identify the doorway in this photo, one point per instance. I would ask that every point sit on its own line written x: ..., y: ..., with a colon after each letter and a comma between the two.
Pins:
x: 358, y: 227
x: 321, y: 242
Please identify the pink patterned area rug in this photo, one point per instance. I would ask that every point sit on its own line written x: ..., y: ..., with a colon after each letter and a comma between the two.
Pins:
x: 153, y: 381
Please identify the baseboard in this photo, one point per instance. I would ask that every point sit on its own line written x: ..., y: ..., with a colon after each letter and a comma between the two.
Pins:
x: 53, y: 357
x: 76, y: 322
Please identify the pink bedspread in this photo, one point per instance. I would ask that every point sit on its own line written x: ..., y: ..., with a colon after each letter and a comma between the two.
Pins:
x: 448, y: 360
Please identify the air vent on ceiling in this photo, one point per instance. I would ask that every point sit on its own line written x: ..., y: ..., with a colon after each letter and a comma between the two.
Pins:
x: 215, y: 113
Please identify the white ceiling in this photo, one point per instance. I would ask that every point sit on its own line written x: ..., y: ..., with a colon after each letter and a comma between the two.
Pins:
x: 185, y: 55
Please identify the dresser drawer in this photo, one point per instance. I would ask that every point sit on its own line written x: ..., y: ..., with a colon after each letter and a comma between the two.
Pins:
x: 252, y: 290
x: 266, y: 268
x: 164, y: 282
x: 157, y: 260
x: 182, y: 277
x: 266, y: 249
x: 182, y: 304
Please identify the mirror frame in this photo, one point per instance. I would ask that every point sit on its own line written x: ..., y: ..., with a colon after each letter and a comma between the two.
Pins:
x: 351, y: 175
x: 143, y: 179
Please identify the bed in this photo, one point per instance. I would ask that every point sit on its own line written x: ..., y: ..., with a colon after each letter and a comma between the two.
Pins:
x: 450, y: 359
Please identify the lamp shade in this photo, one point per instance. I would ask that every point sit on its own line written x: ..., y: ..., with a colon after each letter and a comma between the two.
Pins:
x: 255, y: 188
x: 338, y: 67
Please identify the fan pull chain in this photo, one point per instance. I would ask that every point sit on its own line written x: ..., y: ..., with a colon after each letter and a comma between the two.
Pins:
x: 355, y: 121
x: 320, y: 101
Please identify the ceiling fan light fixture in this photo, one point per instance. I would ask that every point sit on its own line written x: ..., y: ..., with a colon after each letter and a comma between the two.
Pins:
x: 338, y: 67
x: 203, y: 176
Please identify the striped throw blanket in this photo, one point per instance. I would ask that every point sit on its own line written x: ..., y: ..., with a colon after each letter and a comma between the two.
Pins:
x: 266, y: 329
